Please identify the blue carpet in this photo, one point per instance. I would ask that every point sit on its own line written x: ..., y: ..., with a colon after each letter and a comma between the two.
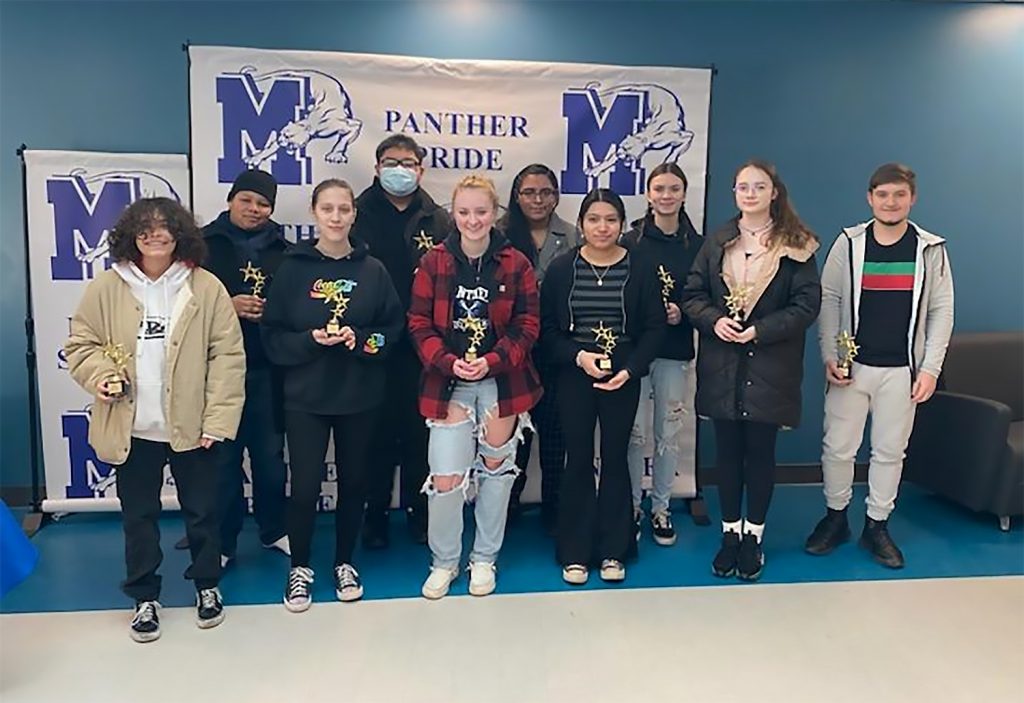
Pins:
x: 81, y: 560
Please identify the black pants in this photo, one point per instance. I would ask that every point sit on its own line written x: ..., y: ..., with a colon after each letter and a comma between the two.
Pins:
x: 139, y: 480
x: 307, y: 446
x: 265, y: 443
x: 595, y: 524
x: 400, y: 438
x: 746, y: 459
x: 546, y: 419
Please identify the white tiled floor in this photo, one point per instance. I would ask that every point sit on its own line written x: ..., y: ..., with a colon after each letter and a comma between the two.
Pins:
x: 942, y: 641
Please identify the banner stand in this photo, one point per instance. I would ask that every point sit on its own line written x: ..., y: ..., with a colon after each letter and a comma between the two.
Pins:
x: 35, y: 520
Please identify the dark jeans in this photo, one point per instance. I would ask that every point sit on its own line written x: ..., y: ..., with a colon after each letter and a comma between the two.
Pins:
x: 307, y: 441
x: 746, y: 459
x: 546, y: 419
x: 400, y: 438
x: 257, y: 434
x: 595, y: 524
x: 139, y: 480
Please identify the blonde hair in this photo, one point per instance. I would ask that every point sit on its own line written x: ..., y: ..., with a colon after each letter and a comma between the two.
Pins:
x: 479, y: 183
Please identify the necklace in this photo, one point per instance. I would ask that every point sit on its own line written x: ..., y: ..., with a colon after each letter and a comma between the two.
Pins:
x: 599, y: 276
x: 757, y: 231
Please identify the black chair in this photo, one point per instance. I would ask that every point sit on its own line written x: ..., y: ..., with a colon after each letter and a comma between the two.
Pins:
x: 968, y: 440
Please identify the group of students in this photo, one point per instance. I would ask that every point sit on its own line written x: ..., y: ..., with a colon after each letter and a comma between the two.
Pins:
x: 442, y: 343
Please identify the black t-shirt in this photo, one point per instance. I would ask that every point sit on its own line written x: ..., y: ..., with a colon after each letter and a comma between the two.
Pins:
x: 886, y: 298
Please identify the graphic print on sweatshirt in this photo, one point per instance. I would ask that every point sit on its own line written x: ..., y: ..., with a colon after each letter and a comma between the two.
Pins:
x: 336, y: 294
x: 153, y: 327
x: 470, y: 317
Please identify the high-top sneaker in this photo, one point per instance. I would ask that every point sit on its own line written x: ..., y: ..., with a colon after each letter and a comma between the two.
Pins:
x: 209, y: 608
x: 831, y: 531
x: 875, y: 538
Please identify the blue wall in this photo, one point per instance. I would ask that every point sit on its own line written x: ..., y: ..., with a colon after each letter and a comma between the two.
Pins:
x: 826, y: 90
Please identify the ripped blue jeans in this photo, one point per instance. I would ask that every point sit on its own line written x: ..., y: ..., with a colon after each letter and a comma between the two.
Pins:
x: 459, y: 449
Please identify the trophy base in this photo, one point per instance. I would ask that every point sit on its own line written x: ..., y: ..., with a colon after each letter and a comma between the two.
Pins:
x: 843, y: 372
x: 115, y: 387
x: 333, y: 329
x: 470, y: 356
x: 604, y: 364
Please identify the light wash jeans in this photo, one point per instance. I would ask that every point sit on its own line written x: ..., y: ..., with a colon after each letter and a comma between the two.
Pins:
x: 459, y: 449
x: 664, y: 388
x: 885, y: 394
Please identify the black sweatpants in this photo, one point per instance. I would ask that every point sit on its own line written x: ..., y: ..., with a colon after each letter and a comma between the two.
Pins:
x: 139, y: 481
x: 595, y: 523
x: 401, y: 439
x: 308, y: 437
x: 746, y: 460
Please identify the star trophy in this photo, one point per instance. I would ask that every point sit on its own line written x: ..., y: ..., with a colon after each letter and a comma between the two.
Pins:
x: 337, y: 312
x: 119, y: 356
x: 477, y: 329
x: 848, y: 349
x: 606, y: 341
x: 254, y: 274
x: 668, y: 283
x: 736, y: 300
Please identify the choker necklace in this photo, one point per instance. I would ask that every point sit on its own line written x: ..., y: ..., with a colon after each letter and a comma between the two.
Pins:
x: 757, y: 231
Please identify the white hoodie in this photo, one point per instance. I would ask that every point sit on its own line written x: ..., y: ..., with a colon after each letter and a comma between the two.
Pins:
x: 158, y: 300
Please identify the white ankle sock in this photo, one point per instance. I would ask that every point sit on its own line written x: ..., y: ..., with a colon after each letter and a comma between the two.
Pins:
x: 736, y: 527
x: 750, y: 528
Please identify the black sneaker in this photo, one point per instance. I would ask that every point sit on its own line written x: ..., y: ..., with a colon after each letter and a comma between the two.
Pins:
x: 375, y: 530
x: 831, y: 531
x: 750, y: 562
x: 724, y: 564
x: 209, y: 608
x: 416, y: 523
x: 875, y: 538
x: 698, y: 511
x: 297, y: 596
x: 347, y: 584
x: 146, y: 623
x: 661, y: 527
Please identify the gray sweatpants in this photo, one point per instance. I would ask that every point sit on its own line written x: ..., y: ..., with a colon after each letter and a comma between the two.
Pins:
x: 885, y: 393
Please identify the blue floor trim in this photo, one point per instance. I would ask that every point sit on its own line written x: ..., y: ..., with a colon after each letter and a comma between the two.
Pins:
x: 81, y: 561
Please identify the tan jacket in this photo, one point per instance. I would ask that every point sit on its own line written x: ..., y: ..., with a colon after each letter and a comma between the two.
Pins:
x: 205, y: 374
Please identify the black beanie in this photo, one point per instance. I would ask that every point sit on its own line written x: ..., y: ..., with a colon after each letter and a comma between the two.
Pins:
x: 256, y: 181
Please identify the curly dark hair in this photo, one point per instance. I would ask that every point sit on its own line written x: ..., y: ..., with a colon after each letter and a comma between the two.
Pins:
x: 146, y: 213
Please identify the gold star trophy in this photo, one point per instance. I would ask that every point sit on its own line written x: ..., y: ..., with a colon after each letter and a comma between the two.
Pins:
x: 477, y: 329
x: 848, y: 349
x: 337, y: 312
x: 119, y: 356
x: 423, y: 241
x: 668, y: 283
x: 254, y: 274
x: 606, y: 341
x: 736, y: 300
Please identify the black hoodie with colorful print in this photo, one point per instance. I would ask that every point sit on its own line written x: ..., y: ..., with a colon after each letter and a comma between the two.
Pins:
x: 309, y: 290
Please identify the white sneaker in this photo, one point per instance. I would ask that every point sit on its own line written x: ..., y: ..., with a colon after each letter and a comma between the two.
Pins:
x: 437, y: 584
x: 576, y: 574
x: 612, y: 570
x: 281, y: 545
x: 481, y: 578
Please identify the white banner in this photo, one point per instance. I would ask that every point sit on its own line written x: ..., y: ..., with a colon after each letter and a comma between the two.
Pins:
x: 307, y: 116
x: 74, y: 199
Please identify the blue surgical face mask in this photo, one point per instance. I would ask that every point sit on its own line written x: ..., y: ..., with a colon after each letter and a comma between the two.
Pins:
x: 398, y: 181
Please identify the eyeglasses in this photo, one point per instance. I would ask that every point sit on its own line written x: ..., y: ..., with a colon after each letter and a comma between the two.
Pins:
x: 154, y: 234
x: 744, y: 188
x: 404, y: 163
x: 534, y: 194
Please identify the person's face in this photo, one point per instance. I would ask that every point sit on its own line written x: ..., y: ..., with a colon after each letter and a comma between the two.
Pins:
x: 666, y: 194
x: 155, y: 241
x: 601, y: 225
x: 537, y: 197
x: 891, y: 202
x: 754, y: 191
x: 402, y: 158
x: 474, y: 213
x: 334, y: 213
x: 249, y: 210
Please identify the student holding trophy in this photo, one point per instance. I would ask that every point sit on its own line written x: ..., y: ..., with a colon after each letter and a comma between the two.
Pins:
x: 473, y: 319
x: 332, y: 316
x: 752, y: 293
x: 603, y: 320
x: 155, y: 339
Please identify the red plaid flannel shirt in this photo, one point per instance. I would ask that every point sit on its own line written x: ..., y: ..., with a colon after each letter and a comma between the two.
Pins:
x: 514, y: 313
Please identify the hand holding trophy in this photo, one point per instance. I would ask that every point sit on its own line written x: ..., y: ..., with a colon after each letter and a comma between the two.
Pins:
x: 606, y: 341
x: 848, y: 349
x: 119, y: 357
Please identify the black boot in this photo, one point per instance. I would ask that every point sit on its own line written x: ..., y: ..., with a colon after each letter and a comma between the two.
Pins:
x: 831, y: 531
x: 724, y: 564
x: 750, y: 561
x: 375, y: 529
x: 698, y: 511
x: 875, y: 538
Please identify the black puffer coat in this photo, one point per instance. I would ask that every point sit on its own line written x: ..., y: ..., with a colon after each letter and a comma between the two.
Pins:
x: 759, y: 381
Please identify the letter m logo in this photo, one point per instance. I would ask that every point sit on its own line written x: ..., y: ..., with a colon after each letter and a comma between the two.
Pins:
x: 82, y: 220
x: 595, y: 130
x: 254, y: 111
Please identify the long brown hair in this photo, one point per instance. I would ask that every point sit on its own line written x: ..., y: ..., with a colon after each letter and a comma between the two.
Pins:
x: 788, y: 229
